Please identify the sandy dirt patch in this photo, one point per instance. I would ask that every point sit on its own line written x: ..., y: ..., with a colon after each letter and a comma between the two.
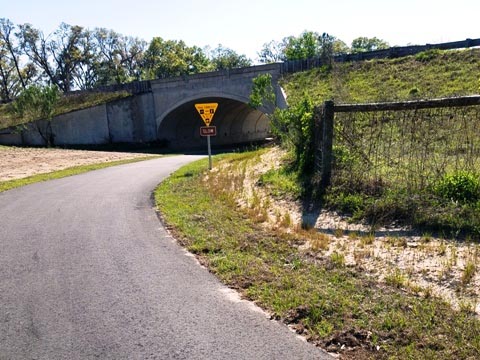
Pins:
x: 418, y: 263
x: 16, y: 163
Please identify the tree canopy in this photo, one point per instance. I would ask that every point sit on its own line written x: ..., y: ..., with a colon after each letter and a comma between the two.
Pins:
x: 75, y: 58
x: 307, y: 45
x: 363, y: 44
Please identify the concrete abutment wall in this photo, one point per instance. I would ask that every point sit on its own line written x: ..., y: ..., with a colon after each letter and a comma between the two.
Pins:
x: 128, y: 120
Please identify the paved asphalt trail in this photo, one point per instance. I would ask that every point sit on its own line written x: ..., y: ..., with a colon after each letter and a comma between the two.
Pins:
x: 88, y: 272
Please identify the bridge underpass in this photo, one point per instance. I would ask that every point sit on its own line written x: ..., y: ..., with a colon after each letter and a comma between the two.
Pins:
x: 163, y: 111
x: 236, y: 123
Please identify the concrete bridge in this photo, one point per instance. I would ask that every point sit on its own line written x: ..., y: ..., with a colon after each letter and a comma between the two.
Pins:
x: 163, y: 111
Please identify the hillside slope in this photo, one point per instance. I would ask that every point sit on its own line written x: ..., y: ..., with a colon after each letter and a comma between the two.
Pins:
x: 419, y: 168
x: 429, y: 74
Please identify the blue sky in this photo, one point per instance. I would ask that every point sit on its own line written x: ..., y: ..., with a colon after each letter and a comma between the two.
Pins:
x: 245, y: 26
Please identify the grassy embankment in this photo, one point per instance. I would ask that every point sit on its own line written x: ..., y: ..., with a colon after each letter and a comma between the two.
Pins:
x: 406, y: 152
x: 431, y: 74
x: 65, y: 105
x: 333, y: 305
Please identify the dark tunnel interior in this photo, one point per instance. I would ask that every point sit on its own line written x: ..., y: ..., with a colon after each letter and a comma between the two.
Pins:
x: 236, y: 122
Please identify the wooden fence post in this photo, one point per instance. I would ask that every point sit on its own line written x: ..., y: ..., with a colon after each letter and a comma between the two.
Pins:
x: 317, y: 138
x: 324, y: 118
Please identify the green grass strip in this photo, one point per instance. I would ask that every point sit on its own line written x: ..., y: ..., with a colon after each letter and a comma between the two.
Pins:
x: 328, y: 302
x: 12, y: 184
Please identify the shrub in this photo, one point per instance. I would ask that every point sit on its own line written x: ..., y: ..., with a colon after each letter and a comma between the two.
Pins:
x: 426, y: 56
x: 414, y: 92
x: 37, y: 102
x: 461, y: 186
x: 350, y: 203
x: 343, y: 157
x: 295, y: 129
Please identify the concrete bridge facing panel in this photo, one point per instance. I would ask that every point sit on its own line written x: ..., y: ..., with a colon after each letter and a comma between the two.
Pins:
x: 178, y: 122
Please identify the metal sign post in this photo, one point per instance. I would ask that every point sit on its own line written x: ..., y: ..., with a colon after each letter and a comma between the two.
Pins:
x: 207, y: 111
x: 209, y: 153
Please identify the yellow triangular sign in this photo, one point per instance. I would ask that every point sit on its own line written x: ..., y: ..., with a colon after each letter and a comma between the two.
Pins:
x: 207, y: 111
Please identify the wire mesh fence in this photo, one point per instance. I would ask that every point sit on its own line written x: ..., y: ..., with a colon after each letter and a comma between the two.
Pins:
x: 405, y: 145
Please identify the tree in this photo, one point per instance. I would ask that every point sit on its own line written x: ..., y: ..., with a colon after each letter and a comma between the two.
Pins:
x: 272, y: 52
x: 326, y: 45
x: 107, y: 63
x: 13, y: 75
x: 262, y: 91
x: 35, y: 46
x: 6, y: 29
x: 66, y: 54
x: 339, y: 47
x: 8, y: 80
x: 116, y: 58
x: 38, y: 103
x: 305, y: 46
x: 224, y: 58
x: 313, y: 45
x: 165, y: 58
x: 86, y: 72
x: 132, y: 53
x: 363, y: 44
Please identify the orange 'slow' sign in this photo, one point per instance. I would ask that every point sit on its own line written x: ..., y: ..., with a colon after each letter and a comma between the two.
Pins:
x: 207, y: 111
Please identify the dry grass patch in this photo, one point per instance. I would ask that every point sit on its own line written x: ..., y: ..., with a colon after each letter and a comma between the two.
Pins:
x: 319, y: 293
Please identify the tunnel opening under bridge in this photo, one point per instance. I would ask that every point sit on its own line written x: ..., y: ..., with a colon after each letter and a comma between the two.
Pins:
x: 236, y: 122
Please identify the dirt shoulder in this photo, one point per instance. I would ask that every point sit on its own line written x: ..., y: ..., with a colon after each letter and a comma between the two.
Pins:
x: 417, y: 262
x: 17, y: 163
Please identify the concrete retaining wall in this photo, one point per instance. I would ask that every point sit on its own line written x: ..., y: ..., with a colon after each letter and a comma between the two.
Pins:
x: 132, y: 121
x: 9, y: 138
x: 127, y: 120
x: 89, y: 126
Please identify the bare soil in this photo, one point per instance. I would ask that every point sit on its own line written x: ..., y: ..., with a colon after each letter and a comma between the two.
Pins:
x: 17, y: 163
x: 416, y: 262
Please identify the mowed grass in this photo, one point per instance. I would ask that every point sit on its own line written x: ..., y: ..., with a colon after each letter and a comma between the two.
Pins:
x: 334, y: 306
x: 76, y: 170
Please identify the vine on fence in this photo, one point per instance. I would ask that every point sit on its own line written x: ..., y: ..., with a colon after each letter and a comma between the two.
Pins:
x: 413, y: 162
x: 411, y: 149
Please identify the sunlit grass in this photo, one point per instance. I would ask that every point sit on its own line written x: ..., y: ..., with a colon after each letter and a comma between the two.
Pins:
x: 326, y: 299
